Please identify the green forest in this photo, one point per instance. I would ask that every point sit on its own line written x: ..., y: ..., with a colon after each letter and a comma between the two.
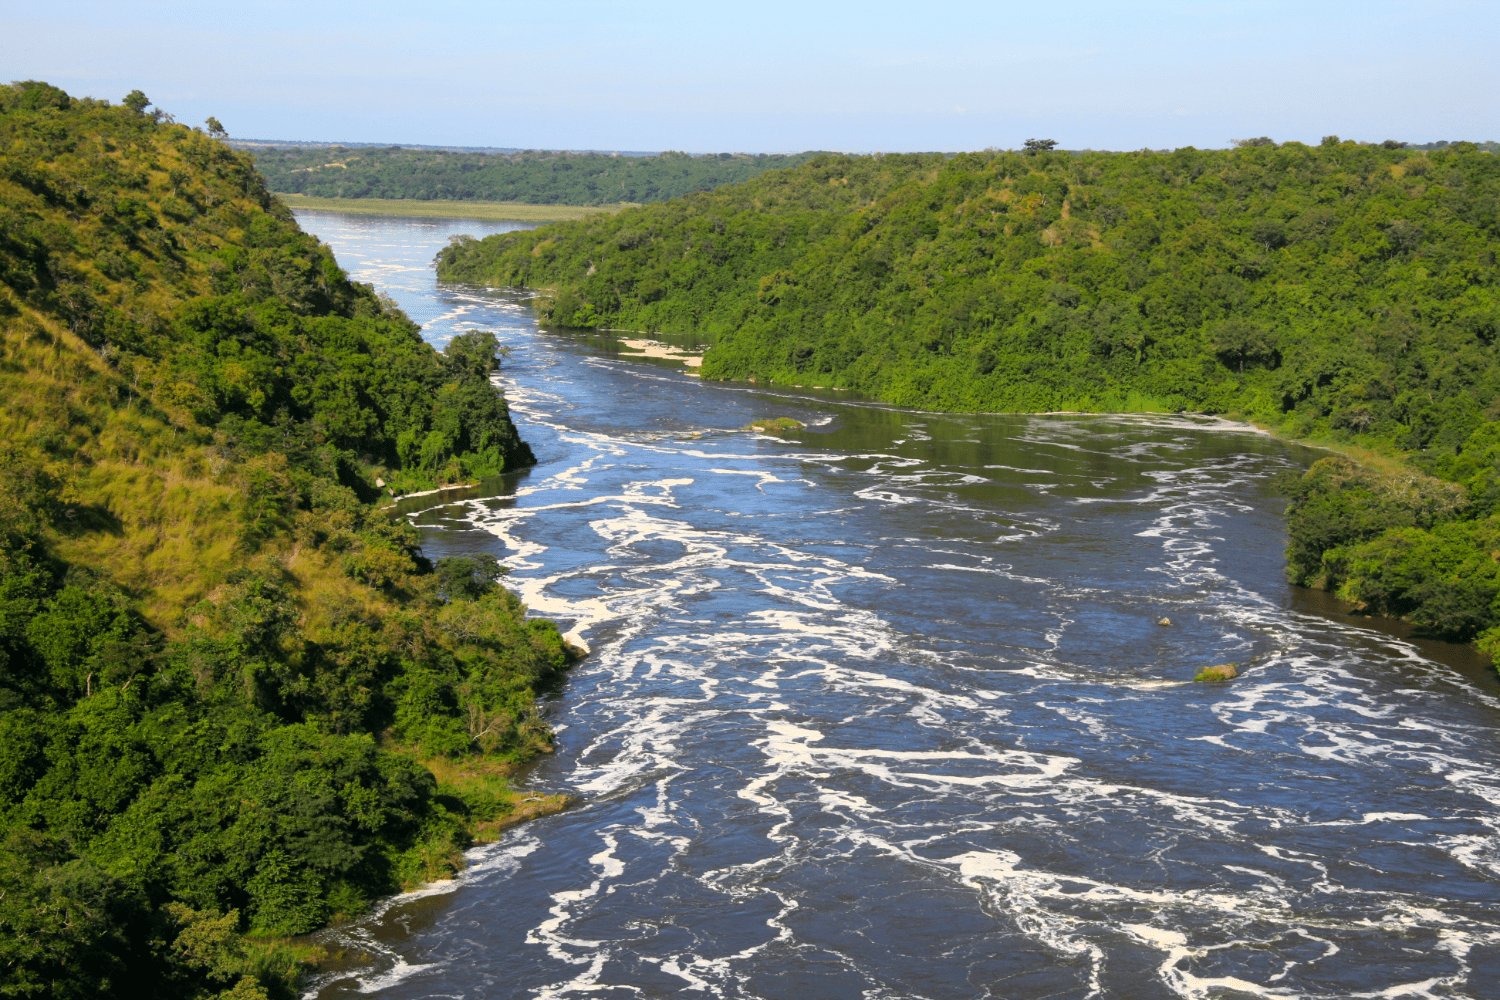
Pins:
x: 1344, y: 293
x: 226, y: 674
x: 532, y: 177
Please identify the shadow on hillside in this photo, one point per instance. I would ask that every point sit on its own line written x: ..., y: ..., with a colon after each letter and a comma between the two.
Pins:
x: 88, y: 518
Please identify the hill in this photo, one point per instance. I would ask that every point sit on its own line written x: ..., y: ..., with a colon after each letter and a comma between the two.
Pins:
x: 531, y: 177
x: 221, y: 664
x: 1344, y: 293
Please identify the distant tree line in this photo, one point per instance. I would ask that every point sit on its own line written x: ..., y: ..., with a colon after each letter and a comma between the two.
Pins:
x: 531, y: 177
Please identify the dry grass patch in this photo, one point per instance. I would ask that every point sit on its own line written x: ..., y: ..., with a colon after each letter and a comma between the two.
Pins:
x: 478, y: 780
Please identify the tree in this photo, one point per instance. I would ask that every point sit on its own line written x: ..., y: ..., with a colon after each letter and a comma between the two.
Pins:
x: 472, y: 354
x: 1263, y: 140
x: 1393, y: 144
x: 1269, y: 233
x: 1239, y: 341
x: 1404, y: 236
x: 67, y: 928
x: 136, y: 101
x: 468, y: 578
x: 37, y: 94
x: 1035, y: 146
x: 214, y: 128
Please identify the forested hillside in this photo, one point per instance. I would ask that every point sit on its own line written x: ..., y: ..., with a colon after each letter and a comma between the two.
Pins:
x: 1345, y: 292
x: 220, y: 663
x: 532, y: 177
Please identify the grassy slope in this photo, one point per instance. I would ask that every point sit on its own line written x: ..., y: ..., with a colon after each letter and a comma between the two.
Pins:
x: 168, y: 525
x: 124, y: 427
x: 208, y: 631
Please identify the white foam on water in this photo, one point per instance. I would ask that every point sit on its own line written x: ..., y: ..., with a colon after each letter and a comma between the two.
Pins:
x: 399, y: 971
x: 811, y: 635
x: 485, y: 863
x: 830, y: 723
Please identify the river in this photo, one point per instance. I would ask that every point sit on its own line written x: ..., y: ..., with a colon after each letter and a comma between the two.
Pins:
x: 882, y: 708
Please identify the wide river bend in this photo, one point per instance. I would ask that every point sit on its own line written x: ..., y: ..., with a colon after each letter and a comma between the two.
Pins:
x: 881, y: 708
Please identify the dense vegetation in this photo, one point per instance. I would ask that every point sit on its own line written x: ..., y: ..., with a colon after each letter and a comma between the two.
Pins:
x: 533, y: 177
x: 1490, y: 146
x: 1416, y: 543
x: 220, y: 663
x: 1345, y: 292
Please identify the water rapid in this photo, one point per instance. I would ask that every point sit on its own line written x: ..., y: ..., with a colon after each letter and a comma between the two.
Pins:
x: 882, y: 708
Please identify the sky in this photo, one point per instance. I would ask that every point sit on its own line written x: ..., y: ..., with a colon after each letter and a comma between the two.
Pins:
x: 778, y: 76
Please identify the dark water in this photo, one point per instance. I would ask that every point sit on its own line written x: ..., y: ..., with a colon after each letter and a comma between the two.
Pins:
x: 881, y: 709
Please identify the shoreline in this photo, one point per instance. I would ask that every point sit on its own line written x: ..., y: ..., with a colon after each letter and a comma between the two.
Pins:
x: 1356, y: 453
x: 1360, y: 455
x: 662, y: 351
x: 487, y: 211
x: 396, y: 500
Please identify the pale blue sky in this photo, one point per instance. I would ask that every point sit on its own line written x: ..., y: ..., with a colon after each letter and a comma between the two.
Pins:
x: 778, y: 75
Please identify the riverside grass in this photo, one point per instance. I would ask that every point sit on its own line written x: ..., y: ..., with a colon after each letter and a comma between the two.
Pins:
x: 220, y: 663
x: 496, y: 803
x: 487, y: 211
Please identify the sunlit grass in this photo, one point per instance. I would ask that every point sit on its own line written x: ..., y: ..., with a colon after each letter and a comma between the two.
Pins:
x: 487, y: 778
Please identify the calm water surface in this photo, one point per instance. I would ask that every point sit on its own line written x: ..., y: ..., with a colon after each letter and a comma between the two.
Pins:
x: 881, y: 709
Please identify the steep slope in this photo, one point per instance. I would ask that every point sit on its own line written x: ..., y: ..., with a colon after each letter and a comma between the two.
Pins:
x: 211, y: 640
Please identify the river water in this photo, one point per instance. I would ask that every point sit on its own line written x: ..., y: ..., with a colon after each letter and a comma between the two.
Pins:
x: 881, y: 709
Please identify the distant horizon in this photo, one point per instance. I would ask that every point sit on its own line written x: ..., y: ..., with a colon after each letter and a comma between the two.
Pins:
x: 454, y: 147
x: 957, y: 75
